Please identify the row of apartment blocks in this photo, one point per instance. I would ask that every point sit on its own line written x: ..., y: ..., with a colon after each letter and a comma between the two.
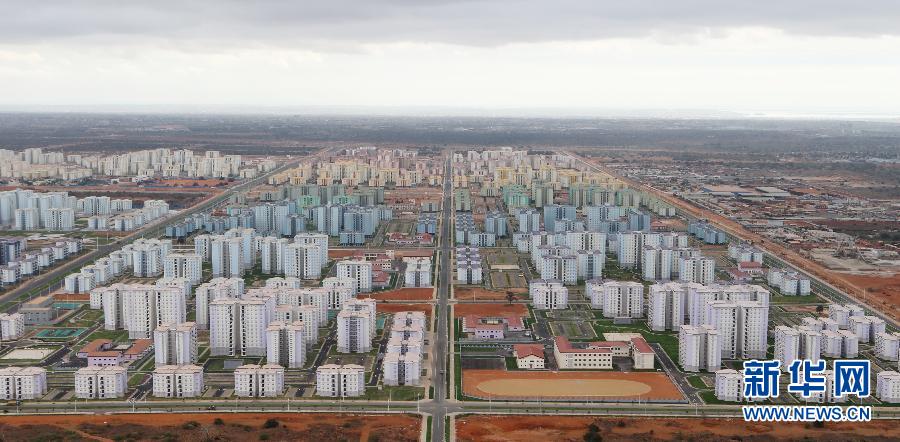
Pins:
x: 469, y: 268
x: 16, y: 264
x: 33, y: 163
x: 730, y: 387
x: 238, y: 250
x: 402, y: 363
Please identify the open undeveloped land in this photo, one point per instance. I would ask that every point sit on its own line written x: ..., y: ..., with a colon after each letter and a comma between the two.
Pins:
x: 482, y: 294
x: 486, y: 309
x: 499, y: 384
x: 574, y: 428
x: 213, y: 426
x: 403, y: 294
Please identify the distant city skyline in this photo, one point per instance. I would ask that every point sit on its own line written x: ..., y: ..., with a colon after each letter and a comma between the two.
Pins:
x: 796, y: 58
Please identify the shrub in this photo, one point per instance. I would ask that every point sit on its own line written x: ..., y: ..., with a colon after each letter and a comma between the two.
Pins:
x: 219, y: 421
x: 271, y: 423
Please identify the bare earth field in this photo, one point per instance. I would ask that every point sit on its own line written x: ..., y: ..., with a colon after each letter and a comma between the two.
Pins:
x: 482, y: 294
x: 460, y: 310
x: 394, y: 308
x: 404, y: 294
x: 573, y: 428
x: 568, y: 384
x: 883, y: 291
x: 193, y: 427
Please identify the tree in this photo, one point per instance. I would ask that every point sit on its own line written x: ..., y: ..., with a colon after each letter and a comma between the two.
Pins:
x: 271, y: 423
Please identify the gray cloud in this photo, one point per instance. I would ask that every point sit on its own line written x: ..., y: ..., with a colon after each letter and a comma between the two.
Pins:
x: 467, y: 22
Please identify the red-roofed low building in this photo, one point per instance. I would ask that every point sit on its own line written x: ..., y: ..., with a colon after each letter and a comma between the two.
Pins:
x: 94, y: 346
x: 751, y: 267
x: 642, y: 355
x: 491, y: 327
x: 529, y: 356
x: 139, y: 348
x: 581, y: 358
x: 104, y: 358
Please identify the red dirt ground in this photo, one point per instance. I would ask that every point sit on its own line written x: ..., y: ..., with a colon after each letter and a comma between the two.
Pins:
x: 340, y: 253
x: 189, y: 427
x: 881, y: 291
x: 394, y: 308
x: 573, y: 428
x: 404, y: 294
x: 661, y: 387
x: 481, y: 294
x: 460, y: 310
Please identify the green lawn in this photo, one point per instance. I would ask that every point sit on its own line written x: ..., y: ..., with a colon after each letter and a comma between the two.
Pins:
x: 697, y: 382
x: 399, y: 393
x: 807, y: 299
x: 113, y: 335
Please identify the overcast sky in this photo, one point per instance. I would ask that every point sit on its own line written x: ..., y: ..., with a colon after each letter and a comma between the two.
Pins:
x: 798, y: 56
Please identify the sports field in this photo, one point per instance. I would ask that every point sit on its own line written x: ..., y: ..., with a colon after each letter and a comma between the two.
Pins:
x: 582, y: 385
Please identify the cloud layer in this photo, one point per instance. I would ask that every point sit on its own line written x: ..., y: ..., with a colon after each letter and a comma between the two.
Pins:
x: 463, y: 22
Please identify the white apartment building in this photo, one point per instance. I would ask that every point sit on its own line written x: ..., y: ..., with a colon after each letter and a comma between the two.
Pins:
x: 96, y: 382
x: 217, y: 288
x: 810, y: 343
x: 699, y: 348
x: 302, y: 261
x: 417, y: 272
x: 237, y: 327
x: 147, y: 256
x: 259, y: 380
x: 590, y: 264
x: 340, y: 290
x: 849, y: 343
x: 60, y: 219
x: 408, y: 318
x: 175, y: 344
x: 887, y: 386
x: 787, y: 346
x: 320, y: 240
x: 402, y: 368
x: 697, y: 269
x: 742, y: 326
x: 178, y: 381
x: 271, y: 254
x: 340, y: 380
x: 286, y: 344
x: 887, y: 346
x: 556, y: 262
x: 354, y: 331
x: 22, y: 383
x: 618, y: 299
x: 183, y: 265
x: 227, y: 256
x: 12, y: 326
x: 667, y: 305
x: 359, y: 271
x: 548, y: 295
x: 306, y: 314
x: 140, y: 308
x: 729, y: 385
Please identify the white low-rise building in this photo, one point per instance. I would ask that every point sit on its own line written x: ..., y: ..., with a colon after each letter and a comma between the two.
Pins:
x: 402, y: 368
x: 548, y: 295
x: 340, y: 380
x: 729, y: 385
x: 259, y: 380
x: 887, y: 387
x: 22, y: 383
x: 175, y: 344
x: 174, y: 381
x: 101, y: 382
x: 12, y: 326
x: 286, y: 344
